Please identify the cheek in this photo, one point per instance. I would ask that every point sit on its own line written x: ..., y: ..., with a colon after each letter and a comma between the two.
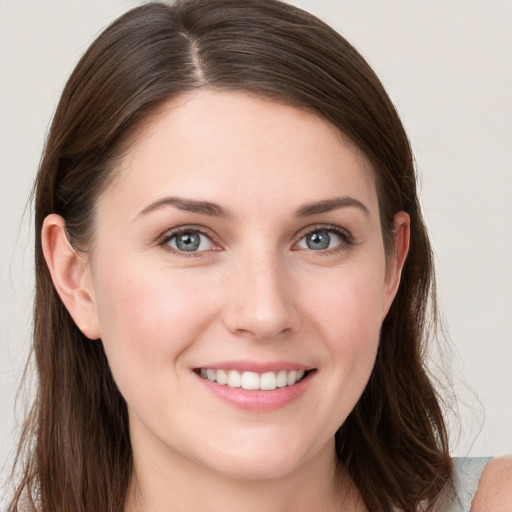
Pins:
x: 147, y: 319
x: 347, y: 310
x: 348, y: 299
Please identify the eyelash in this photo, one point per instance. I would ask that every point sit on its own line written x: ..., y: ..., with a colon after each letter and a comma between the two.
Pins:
x: 166, y: 238
x: 345, y: 236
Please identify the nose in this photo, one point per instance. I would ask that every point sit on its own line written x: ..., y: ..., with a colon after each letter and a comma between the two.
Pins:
x: 259, y: 298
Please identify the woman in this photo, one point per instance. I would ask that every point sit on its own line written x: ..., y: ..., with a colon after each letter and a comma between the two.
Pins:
x: 232, y: 278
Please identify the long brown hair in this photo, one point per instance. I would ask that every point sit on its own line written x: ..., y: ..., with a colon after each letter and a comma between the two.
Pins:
x: 75, y: 450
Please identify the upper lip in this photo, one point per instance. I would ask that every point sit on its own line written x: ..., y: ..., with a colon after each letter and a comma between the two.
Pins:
x: 256, y: 366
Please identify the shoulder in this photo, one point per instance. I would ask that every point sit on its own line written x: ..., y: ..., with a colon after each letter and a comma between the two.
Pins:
x: 494, y: 491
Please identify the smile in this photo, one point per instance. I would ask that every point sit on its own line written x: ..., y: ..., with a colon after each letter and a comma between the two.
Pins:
x: 247, y: 380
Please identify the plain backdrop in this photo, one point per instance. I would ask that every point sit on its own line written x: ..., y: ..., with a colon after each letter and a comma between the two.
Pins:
x: 447, y: 66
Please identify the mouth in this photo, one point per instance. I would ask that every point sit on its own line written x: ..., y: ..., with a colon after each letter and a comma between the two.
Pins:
x: 253, y: 381
x: 256, y: 387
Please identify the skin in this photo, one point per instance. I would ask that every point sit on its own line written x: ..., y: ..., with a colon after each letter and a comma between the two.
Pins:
x: 254, y: 291
x: 494, y: 492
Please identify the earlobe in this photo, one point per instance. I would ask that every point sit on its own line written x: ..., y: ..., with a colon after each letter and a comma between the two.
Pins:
x: 398, y: 255
x: 70, y: 275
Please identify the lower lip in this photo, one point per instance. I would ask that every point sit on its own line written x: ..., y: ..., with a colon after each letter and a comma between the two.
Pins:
x: 257, y: 400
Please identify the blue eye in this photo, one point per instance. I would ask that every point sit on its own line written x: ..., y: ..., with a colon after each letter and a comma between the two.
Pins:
x: 189, y: 241
x: 322, y: 240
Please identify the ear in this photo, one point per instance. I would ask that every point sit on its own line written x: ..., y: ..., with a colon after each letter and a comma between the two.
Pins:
x: 397, y: 256
x: 70, y: 273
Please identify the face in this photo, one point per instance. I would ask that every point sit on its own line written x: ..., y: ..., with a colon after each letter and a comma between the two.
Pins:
x: 239, y: 283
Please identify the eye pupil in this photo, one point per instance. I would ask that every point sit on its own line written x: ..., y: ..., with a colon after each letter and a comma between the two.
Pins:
x: 319, y: 240
x: 188, y: 241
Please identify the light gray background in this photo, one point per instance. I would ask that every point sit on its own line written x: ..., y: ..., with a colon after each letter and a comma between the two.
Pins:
x: 447, y: 66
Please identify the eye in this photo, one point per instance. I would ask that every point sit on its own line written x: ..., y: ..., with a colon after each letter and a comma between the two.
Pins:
x: 190, y: 240
x: 323, y: 239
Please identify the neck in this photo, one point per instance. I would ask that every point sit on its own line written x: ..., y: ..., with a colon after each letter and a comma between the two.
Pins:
x: 170, y: 482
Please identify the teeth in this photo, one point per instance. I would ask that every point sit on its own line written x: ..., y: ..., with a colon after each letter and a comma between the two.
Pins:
x: 282, y: 379
x: 222, y: 377
x: 234, y: 379
x: 251, y: 380
x: 268, y: 381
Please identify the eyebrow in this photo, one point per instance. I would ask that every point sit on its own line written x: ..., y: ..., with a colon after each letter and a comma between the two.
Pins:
x: 215, y: 210
x: 188, y: 205
x: 328, y: 205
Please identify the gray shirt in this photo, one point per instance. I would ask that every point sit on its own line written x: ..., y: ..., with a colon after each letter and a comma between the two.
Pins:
x: 468, y: 471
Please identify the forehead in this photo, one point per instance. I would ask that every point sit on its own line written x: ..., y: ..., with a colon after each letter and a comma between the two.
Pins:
x: 229, y: 144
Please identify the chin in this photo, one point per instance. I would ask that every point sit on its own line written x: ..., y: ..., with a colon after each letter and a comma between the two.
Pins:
x: 262, y: 458
x: 257, y: 467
